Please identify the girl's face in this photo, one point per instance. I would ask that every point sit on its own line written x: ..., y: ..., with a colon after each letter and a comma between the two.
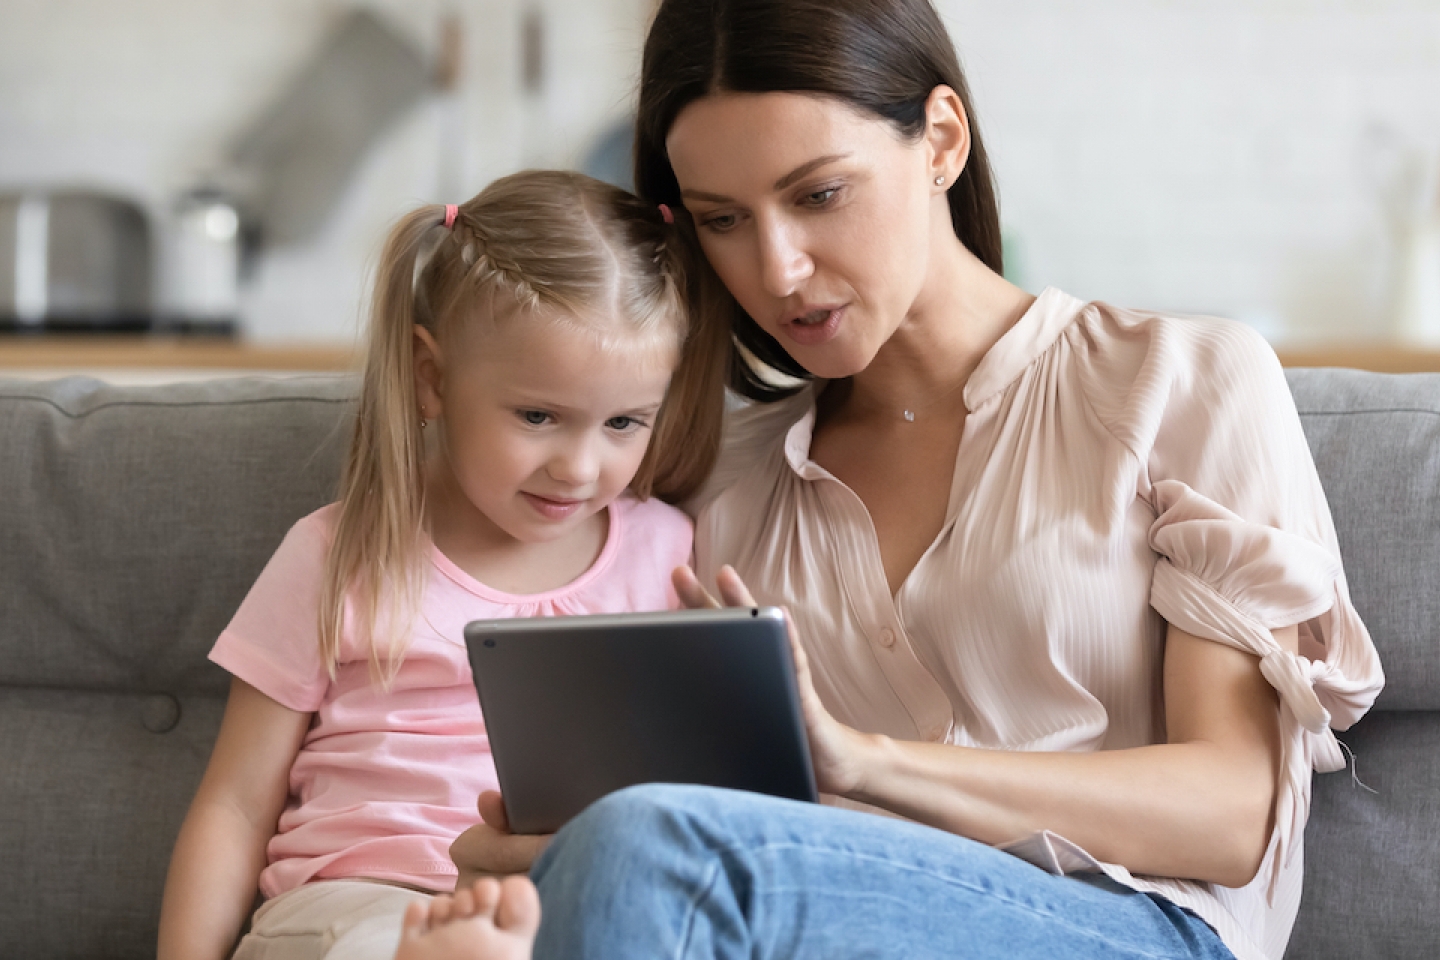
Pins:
x: 819, y: 220
x: 542, y: 426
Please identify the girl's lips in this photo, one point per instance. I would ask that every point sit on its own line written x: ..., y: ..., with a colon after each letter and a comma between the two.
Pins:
x: 552, y: 509
x: 813, y: 334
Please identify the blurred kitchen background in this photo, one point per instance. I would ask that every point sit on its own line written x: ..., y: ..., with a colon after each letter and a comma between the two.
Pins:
x: 1276, y: 161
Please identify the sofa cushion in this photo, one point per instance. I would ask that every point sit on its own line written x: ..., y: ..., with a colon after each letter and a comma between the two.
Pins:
x: 1376, y: 443
x: 135, y: 519
x: 1371, y: 883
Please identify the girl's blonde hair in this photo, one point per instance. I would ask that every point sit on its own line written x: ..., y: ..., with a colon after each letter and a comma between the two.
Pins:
x: 589, y: 252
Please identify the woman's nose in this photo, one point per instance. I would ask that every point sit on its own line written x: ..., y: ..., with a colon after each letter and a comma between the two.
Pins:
x: 784, y: 263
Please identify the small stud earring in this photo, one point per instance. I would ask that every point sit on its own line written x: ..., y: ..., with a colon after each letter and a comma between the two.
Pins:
x: 939, y: 181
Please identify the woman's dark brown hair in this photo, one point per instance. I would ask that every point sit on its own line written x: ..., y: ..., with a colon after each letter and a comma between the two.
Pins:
x: 882, y: 57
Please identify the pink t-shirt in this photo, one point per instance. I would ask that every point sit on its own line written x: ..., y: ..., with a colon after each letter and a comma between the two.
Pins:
x: 387, y: 778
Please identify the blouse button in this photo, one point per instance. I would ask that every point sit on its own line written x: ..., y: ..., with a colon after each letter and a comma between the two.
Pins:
x: 887, y: 637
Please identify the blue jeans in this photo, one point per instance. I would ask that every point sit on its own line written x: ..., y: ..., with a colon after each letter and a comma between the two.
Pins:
x: 690, y: 872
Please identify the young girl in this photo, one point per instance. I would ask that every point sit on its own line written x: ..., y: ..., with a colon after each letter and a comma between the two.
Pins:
x: 531, y: 380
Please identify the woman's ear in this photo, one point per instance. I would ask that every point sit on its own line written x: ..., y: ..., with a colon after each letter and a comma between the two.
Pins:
x: 429, y: 374
x: 947, y: 134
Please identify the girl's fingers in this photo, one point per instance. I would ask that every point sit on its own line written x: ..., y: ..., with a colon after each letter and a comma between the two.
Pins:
x: 484, y: 851
x: 492, y: 810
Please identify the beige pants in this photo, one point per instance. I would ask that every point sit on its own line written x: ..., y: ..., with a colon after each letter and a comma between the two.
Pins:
x: 334, y: 919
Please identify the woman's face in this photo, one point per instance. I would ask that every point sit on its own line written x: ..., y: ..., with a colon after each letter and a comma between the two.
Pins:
x: 819, y: 219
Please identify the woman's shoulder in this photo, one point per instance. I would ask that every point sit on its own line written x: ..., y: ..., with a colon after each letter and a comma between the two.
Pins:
x: 1135, y: 365
x: 754, y: 433
x: 1131, y: 343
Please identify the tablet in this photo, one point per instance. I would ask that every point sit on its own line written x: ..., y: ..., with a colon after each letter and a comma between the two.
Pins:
x: 577, y: 707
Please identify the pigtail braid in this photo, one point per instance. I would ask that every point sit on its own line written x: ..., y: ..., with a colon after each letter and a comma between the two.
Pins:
x: 379, y: 532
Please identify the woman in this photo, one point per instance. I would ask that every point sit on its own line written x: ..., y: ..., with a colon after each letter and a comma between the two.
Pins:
x: 1063, y: 574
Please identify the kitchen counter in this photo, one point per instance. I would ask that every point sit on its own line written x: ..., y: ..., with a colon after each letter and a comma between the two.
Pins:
x: 153, y: 357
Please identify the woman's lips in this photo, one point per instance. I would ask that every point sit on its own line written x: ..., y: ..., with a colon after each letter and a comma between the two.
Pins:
x: 816, y: 327
x: 552, y: 508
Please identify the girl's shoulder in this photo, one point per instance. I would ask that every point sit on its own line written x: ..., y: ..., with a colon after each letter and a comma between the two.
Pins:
x: 651, y: 521
x: 308, y: 540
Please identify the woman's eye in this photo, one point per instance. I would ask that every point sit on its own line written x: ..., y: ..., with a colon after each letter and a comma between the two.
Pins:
x: 819, y: 198
x: 623, y: 424
x: 719, y: 223
x: 536, y: 418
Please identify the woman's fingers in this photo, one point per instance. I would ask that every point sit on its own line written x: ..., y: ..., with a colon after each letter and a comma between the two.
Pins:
x: 732, y: 589
x: 689, y: 590
x: 733, y: 592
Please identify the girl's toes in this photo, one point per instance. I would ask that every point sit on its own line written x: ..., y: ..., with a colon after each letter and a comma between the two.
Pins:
x: 519, y: 909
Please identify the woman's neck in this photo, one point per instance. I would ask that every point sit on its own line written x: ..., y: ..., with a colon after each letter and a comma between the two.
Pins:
x: 963, y: 309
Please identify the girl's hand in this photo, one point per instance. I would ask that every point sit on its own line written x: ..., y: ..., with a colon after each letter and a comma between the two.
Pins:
x: 490, y: 849
x: 837, y: 751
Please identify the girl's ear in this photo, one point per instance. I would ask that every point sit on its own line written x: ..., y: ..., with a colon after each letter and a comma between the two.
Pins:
x: 429, y: 375
x: 947, y: 133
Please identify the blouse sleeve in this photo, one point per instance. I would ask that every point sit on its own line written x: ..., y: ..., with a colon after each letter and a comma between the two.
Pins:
x: 1246, y: 545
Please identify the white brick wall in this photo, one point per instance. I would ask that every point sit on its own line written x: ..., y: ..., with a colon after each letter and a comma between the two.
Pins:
x: 1194, y: 155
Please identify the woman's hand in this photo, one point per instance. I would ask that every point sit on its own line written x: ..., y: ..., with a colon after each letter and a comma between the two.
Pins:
x: 837, y: 751
x: 490, y: 849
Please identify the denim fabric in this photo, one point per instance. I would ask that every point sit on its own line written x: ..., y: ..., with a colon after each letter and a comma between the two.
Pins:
x: 689, y: 872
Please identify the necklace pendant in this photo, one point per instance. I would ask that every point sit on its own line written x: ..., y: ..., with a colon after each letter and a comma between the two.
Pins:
x: 910, y: 415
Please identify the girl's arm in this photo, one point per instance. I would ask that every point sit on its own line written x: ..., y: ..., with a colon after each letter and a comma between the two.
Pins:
x: 1199, y: 806
x: 215, y: 869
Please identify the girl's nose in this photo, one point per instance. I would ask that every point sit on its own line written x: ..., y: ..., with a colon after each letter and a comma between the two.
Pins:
x: 784, y: 264
x: 576, y: 464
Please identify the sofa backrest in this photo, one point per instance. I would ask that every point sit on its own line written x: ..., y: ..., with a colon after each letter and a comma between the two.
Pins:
x: 1372, y: 878
x: 133, y: 520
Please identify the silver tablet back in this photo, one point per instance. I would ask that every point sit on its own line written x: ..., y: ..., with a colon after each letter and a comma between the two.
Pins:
x: 577, y: 707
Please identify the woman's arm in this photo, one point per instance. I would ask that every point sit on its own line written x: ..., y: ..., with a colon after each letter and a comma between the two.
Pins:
x: 1199, y: 806
x: 220, y: 851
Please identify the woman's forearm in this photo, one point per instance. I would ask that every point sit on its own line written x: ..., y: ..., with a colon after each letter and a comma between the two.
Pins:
x: 1178, y: 810
x: 1198, y: 807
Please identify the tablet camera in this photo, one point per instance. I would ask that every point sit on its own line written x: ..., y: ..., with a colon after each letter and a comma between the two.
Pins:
x: 489, y: 643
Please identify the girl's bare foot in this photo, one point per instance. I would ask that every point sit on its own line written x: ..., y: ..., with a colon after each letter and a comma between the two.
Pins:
x: 489, y: 920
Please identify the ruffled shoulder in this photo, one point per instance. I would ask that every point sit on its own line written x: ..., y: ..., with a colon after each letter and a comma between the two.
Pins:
x: 1231, y: 580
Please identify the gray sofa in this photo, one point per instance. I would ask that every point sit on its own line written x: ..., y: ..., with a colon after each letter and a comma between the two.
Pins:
x: 132, y: 521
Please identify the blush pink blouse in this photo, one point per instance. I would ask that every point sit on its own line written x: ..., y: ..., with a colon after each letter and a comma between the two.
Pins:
x: 1118, y: 470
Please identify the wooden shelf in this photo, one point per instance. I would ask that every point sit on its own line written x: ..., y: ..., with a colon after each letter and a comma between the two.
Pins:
x: 1363, y: 356
x: 169, y: 353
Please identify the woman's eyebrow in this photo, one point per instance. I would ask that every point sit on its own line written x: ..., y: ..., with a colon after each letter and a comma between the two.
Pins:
x: 805, y: 168
x: 780, y: 184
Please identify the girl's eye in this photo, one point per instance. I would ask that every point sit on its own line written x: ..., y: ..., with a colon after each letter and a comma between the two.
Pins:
x: 536, y: 418
x: 623, y: 424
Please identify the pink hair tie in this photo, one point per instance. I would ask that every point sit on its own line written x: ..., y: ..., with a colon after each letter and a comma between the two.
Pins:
x: 667, y: 214
x: 451, y: 212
